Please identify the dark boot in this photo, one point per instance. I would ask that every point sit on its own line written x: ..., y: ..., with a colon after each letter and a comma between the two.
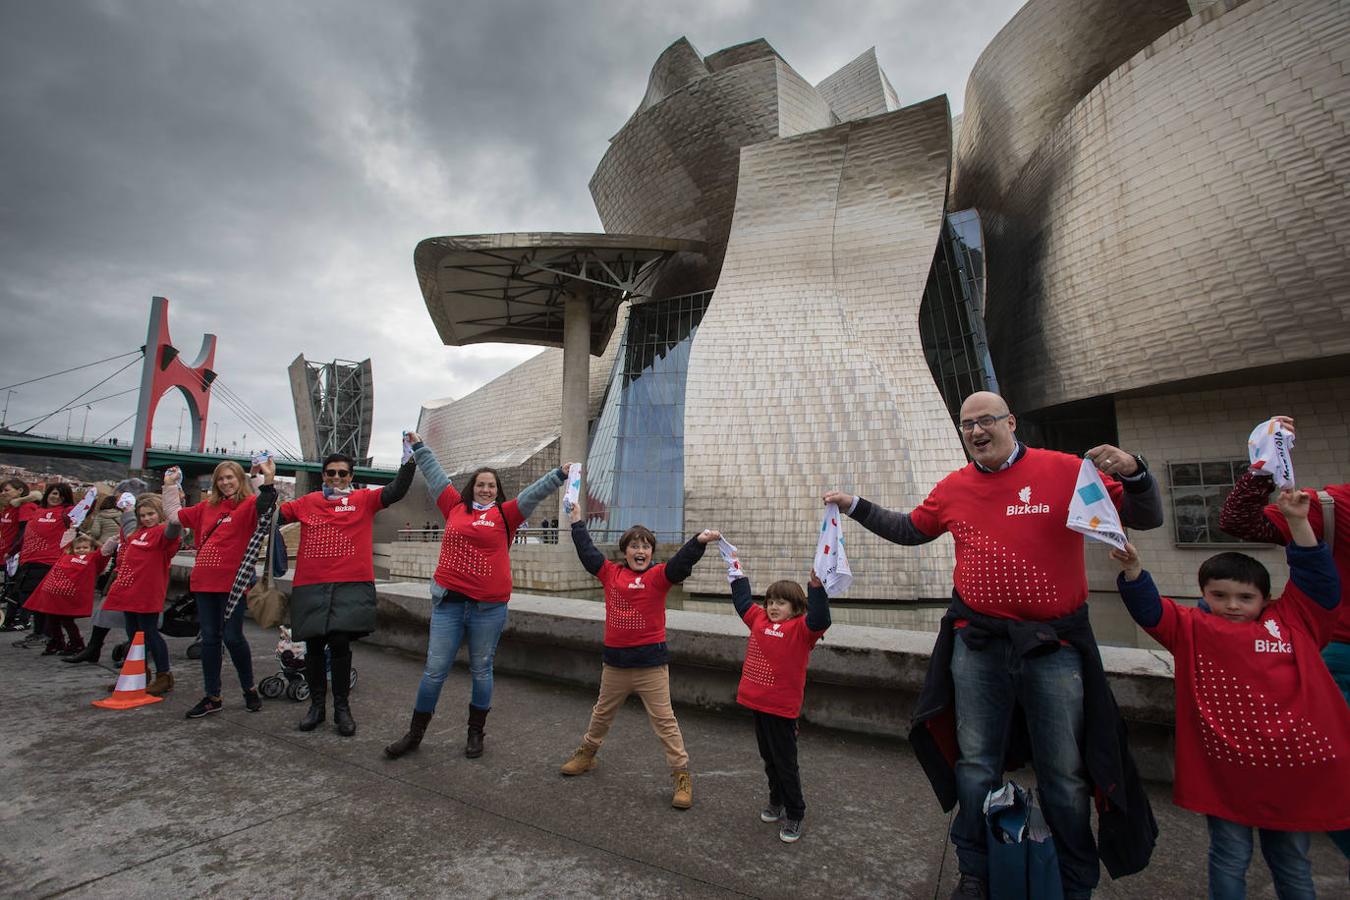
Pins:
x: 473, y: 748
x: 91, y: 653
x: 316, y: 714
x: 413, y: 739
x: 316, y: 676
x: 342, y: 717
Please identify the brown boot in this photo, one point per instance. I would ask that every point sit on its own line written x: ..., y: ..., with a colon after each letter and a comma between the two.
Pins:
x: 582, y: 761
x: 683, y: 798
x: 162, y: 684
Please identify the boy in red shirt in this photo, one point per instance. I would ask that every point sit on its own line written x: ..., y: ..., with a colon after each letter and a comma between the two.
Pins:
x: 1262, y: 735
x: 636, y: 657
x: 773, y: 679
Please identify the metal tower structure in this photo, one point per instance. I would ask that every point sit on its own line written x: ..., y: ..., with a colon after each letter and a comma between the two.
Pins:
x: 334, y: 406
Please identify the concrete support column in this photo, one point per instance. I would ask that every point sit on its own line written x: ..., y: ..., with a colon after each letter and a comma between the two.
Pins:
x: 576, y: 392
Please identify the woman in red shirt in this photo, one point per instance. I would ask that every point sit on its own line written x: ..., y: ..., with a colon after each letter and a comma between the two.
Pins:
x: 148, y: 544
x: 44, y: 524
x: 222, y: 525
x: 333, y: 594
x: 471, y: 586
x: 13, y: 494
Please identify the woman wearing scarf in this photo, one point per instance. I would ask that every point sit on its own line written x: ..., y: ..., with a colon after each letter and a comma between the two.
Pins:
x: 470, y: 588
x: 333, y: 594
x: 223, y: 524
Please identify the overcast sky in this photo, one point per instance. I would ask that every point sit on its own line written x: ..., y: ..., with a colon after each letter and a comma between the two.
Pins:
x: 270, y: 166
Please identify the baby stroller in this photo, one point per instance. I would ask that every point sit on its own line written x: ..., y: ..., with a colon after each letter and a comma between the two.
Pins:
x: 291, y: 679
x: 179, y: 620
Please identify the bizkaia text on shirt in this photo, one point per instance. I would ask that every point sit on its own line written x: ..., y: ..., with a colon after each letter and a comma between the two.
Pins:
x: 1276, y: 646
x: 636, y: 584
x: 344, y: 506
x: 774, y: 631
x: 484, y: 520
x: 1025, y: 507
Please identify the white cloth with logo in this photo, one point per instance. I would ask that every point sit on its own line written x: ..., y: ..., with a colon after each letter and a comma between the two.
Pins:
x: 573, y: 492
x: 80, y: 510
x: 831, y: 563
x: 1091, y: 511
x: 407, y: 450
x: 1271, y: 445
x: 728, y: 552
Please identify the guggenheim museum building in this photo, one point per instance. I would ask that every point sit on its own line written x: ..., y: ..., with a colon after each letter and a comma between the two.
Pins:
x: 1137, y: 231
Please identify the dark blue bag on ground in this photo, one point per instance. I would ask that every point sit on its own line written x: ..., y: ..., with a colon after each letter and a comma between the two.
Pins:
x: 1023, y: 864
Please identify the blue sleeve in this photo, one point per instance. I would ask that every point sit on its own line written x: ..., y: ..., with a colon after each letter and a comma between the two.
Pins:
x: 431, y: 470
x: 681, y: 565
x: 817, y: 608
x: 592, y: 560
x: 1312, y: 572
x: 533, y: 495
x: 741, y: 596
x: 1141, y: 599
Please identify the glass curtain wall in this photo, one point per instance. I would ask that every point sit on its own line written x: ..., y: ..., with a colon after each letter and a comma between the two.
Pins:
x: 951, y: 316
x: 635, y: 466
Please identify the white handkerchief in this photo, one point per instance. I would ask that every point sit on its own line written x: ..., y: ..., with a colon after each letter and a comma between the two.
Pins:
x: 831, y: 563
x: 407, y: 450
x: 261, y: 456
x: 126, y: 501
x: 728, y: 552
x: 80, y: 510
x: 573, y: 486
x: 1270, y: 444
x: 1091, y: 511
x: 12, y: 565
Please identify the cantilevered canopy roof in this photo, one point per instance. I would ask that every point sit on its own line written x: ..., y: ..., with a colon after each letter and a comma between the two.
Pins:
x: 512, y: 287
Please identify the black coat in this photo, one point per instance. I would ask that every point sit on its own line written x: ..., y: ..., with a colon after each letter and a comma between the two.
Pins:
x: 1126, y: 830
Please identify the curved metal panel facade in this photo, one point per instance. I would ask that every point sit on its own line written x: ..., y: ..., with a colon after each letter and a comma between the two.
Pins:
x: 1190, y: 217
x: 807, y: 370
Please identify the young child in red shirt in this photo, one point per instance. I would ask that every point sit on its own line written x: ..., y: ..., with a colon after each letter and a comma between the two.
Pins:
x: 773, y: 679
x: 1262, y: 734
x: 67, y: 592
x: 636, y: 659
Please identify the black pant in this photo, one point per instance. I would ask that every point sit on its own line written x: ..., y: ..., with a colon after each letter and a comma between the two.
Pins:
x: 28, y: 577
x: 777, y: 738
x: 339, y: 644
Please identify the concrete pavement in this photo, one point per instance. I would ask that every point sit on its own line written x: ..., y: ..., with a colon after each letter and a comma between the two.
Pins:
x: 100, y: 803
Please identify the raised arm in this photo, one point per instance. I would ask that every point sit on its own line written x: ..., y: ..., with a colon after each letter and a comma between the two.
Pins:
x: 741, y: 596
x: 532, y: 496
x: 817, y: 605
x: 435, y: 477
x: 896, y: 527
x: 169, y: 494
x: 681, y: 565
x: 397, y: 489
x: 1137, y: 589
x: 1311, y: 568
x: 592, y: 560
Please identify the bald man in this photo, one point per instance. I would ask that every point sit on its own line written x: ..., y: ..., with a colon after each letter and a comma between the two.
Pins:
x: 1019, y: 610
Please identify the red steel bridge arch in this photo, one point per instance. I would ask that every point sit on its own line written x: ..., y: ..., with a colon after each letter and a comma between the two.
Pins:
x: 163, y: 370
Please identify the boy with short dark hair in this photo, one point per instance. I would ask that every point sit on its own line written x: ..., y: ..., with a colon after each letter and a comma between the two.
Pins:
x: 1262, y: 736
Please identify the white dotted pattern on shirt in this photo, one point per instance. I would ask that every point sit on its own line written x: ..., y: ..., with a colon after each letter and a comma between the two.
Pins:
x: 459, y: 555
x: 1241, y: 725
x: 622, y: 614
x: 989, y: 572
x: 319, y: 540
x: 757, y: 667
x: 208, y: 557
x: 59, y: 584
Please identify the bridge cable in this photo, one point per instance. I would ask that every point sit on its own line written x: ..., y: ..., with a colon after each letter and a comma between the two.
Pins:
x: 77, y: 405
x: 114, y: 428
x: 64, y: 371
x: 70, y: 403
x: 247, y: 415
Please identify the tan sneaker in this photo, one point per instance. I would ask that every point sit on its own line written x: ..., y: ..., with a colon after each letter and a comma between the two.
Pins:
x: 683, y: 797
x: 582, y: 761
x: 162, y: 684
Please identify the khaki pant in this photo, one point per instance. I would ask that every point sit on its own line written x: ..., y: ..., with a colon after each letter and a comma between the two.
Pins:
x: 652, y: 684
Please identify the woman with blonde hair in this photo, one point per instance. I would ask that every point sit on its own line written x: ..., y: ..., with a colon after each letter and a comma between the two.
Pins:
x: 223, y: 524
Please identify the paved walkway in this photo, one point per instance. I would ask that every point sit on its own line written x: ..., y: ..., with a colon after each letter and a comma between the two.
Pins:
x: 115, y: 804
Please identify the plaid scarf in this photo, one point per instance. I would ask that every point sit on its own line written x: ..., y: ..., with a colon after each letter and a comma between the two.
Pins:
x: 248, y: 572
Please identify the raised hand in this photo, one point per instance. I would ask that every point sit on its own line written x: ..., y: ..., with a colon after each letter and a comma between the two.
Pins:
x: 126, y: 501
x: 839, y: 499
x: 173, y: 475
x: 707, y: 536
x: 1294, y: 504
x: 1113, y: 460
x: 813, y: 581
x: 574, y: 514
x: 413, y: 437
x: 1129, y: 561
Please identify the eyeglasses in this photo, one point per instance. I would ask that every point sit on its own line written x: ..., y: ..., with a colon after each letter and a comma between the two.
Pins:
x: 985, y: 422
x: 337, y: 473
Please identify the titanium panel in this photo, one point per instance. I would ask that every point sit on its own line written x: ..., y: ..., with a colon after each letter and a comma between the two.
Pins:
x: 807, y: 371
x: 860, y: 89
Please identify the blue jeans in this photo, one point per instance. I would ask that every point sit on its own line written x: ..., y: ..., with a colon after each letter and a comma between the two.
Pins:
x: 1049, y: 688
x: 1230, y: 852
x: 211, y: 619
x: 451, y: 620
x: 148, y: 624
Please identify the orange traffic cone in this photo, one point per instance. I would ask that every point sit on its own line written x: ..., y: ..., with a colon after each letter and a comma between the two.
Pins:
x: 130, y: 690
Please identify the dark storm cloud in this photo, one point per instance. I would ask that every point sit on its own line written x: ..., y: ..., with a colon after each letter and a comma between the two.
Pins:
x: 271, y: 166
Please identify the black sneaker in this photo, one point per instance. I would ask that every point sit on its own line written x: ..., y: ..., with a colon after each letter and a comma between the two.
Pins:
x: 771, y: 813
x: 204, y: 707
x: 970, y: 887
x: 31, y: 641
x: 252, y: 700
x: 790, y: 831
